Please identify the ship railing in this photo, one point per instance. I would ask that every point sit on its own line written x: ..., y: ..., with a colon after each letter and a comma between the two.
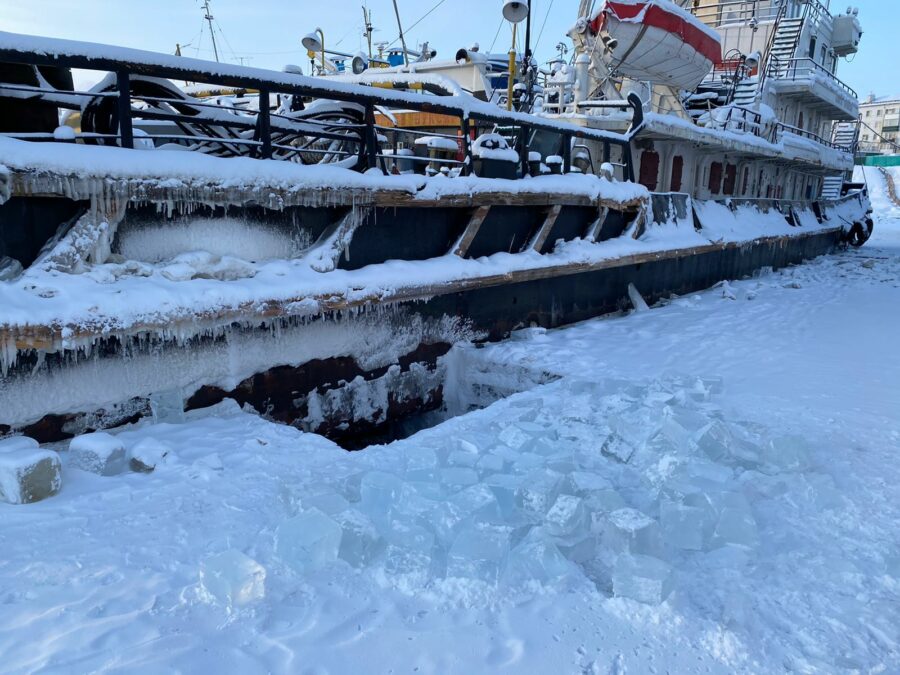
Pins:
x: 738, y: 119
x: 806, y: 133
x: 718, y: 13
x: 315, y: 121
x: 806, y: 69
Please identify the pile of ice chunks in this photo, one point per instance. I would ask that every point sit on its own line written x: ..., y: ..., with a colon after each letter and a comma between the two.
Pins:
x: 615, y: 482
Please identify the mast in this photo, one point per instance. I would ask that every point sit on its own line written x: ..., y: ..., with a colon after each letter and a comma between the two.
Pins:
x: 402, y: 39
x: 367, y: 18
x: 212, y: 34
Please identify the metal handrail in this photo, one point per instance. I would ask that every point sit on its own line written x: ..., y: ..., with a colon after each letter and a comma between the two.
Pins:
x: 69, y: 54
x: 791, y: 69
x: 726, y: 12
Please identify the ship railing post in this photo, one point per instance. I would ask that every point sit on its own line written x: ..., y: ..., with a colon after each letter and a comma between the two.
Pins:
x: 567, y: 153
x: 467, y: 145
x: 126, y: 130
x: 371, y: 137
x: 264, y: 125
x: 523, y: 149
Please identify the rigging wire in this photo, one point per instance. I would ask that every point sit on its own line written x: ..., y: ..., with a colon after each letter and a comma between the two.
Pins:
x: 543, y: 25
x: 496, y: 35
x: 421, y: 19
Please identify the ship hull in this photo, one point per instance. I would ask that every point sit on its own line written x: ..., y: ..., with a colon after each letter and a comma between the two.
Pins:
x: 357, y: 370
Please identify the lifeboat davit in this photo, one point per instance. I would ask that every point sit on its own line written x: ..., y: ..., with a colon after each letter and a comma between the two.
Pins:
x: 657, y: 41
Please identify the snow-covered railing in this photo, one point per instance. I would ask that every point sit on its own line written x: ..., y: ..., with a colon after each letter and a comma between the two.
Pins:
x: 807, y: 69
x: 806, y: 133
x: 717, y: 13
x: 255, y: 133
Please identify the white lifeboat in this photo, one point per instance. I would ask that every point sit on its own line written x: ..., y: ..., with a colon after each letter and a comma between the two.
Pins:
x: 657, y: 41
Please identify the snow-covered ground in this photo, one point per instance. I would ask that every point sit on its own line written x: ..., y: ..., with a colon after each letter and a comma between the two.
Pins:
x: 708, y: 486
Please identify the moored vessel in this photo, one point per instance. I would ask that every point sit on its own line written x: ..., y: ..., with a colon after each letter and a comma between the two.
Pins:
x: 289, y: 258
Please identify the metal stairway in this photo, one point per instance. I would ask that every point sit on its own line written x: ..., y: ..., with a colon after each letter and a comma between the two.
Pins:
x: 832, y: 186
x: 846, y: 135
x: 746, y: 91
x: 784, y: 47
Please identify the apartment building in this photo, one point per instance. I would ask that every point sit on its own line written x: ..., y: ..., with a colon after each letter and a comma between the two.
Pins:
x: 880, y: 133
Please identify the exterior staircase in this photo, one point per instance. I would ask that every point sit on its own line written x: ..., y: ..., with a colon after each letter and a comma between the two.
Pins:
x: 746, y: 91
x: 846, y: 135
x: 784, y: 46
x: 832, y: 186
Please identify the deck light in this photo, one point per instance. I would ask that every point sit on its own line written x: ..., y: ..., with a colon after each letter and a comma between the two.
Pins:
x: 315, y: 42
x: 515, y: 11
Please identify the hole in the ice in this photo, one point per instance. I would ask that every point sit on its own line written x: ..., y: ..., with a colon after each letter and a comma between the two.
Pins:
x: 465, y: 383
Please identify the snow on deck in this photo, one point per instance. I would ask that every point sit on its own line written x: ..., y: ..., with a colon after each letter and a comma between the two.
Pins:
x: 772, y: 544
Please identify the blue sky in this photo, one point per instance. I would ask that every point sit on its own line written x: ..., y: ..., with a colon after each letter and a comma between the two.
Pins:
x: 267, y: 32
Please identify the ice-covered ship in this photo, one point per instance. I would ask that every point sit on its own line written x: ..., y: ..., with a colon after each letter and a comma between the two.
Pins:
x: 316, y: 259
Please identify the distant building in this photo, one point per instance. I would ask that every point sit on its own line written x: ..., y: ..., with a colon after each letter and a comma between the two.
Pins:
x: 880, y: 133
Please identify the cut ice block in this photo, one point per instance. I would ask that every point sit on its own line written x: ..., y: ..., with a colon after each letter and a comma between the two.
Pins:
x: 504, y: 486
x: 329, y: 503
x: 536, y: 559
x: 490, y: 463
x: 567, y: 516
x: 513, y: 437
x: 28, y: 474
x: 642, y: 578
x: 379, y: 492
x: 617, y: 448
x: 630, y: 531
x: 788, y: 453
x: 684, y: 527
x: 538, y: 491
x: 422, y: 459
x: 459, y: 476
x: 410, y: 535
x: 736, y: 524
x: 233, y: 579
x: 360, y: 540
x: 478, y: 502
x: 147, y: 454
x: 583, y: 483
x: 602, y: 502
x: 167, y: 407
x: 98, y: 453
x: 309, y: 541
x: 462, y: 458
x: 478, y: 553
x: 716, y: 440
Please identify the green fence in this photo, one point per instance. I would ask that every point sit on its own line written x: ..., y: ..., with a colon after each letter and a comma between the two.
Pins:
x: 879, y: 160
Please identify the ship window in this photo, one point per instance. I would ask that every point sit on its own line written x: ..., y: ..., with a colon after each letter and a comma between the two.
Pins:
x: 746, y: 182
x: 877, y: 113
x: 868, y: 113
x: 715, y: 177
x: 730, y: 179
x: 649, y: 169
x: 677, y: 170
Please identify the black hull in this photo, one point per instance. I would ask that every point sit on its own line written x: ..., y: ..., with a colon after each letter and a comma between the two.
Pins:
x: 489, y: 312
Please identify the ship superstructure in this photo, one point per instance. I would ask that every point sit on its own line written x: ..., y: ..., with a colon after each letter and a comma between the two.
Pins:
x: 741, y: 97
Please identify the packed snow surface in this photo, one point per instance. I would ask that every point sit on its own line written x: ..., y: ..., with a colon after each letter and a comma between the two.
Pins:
x: 707, y: 486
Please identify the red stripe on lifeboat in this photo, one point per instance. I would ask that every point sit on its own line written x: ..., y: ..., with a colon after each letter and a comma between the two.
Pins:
x: 659, y: 17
